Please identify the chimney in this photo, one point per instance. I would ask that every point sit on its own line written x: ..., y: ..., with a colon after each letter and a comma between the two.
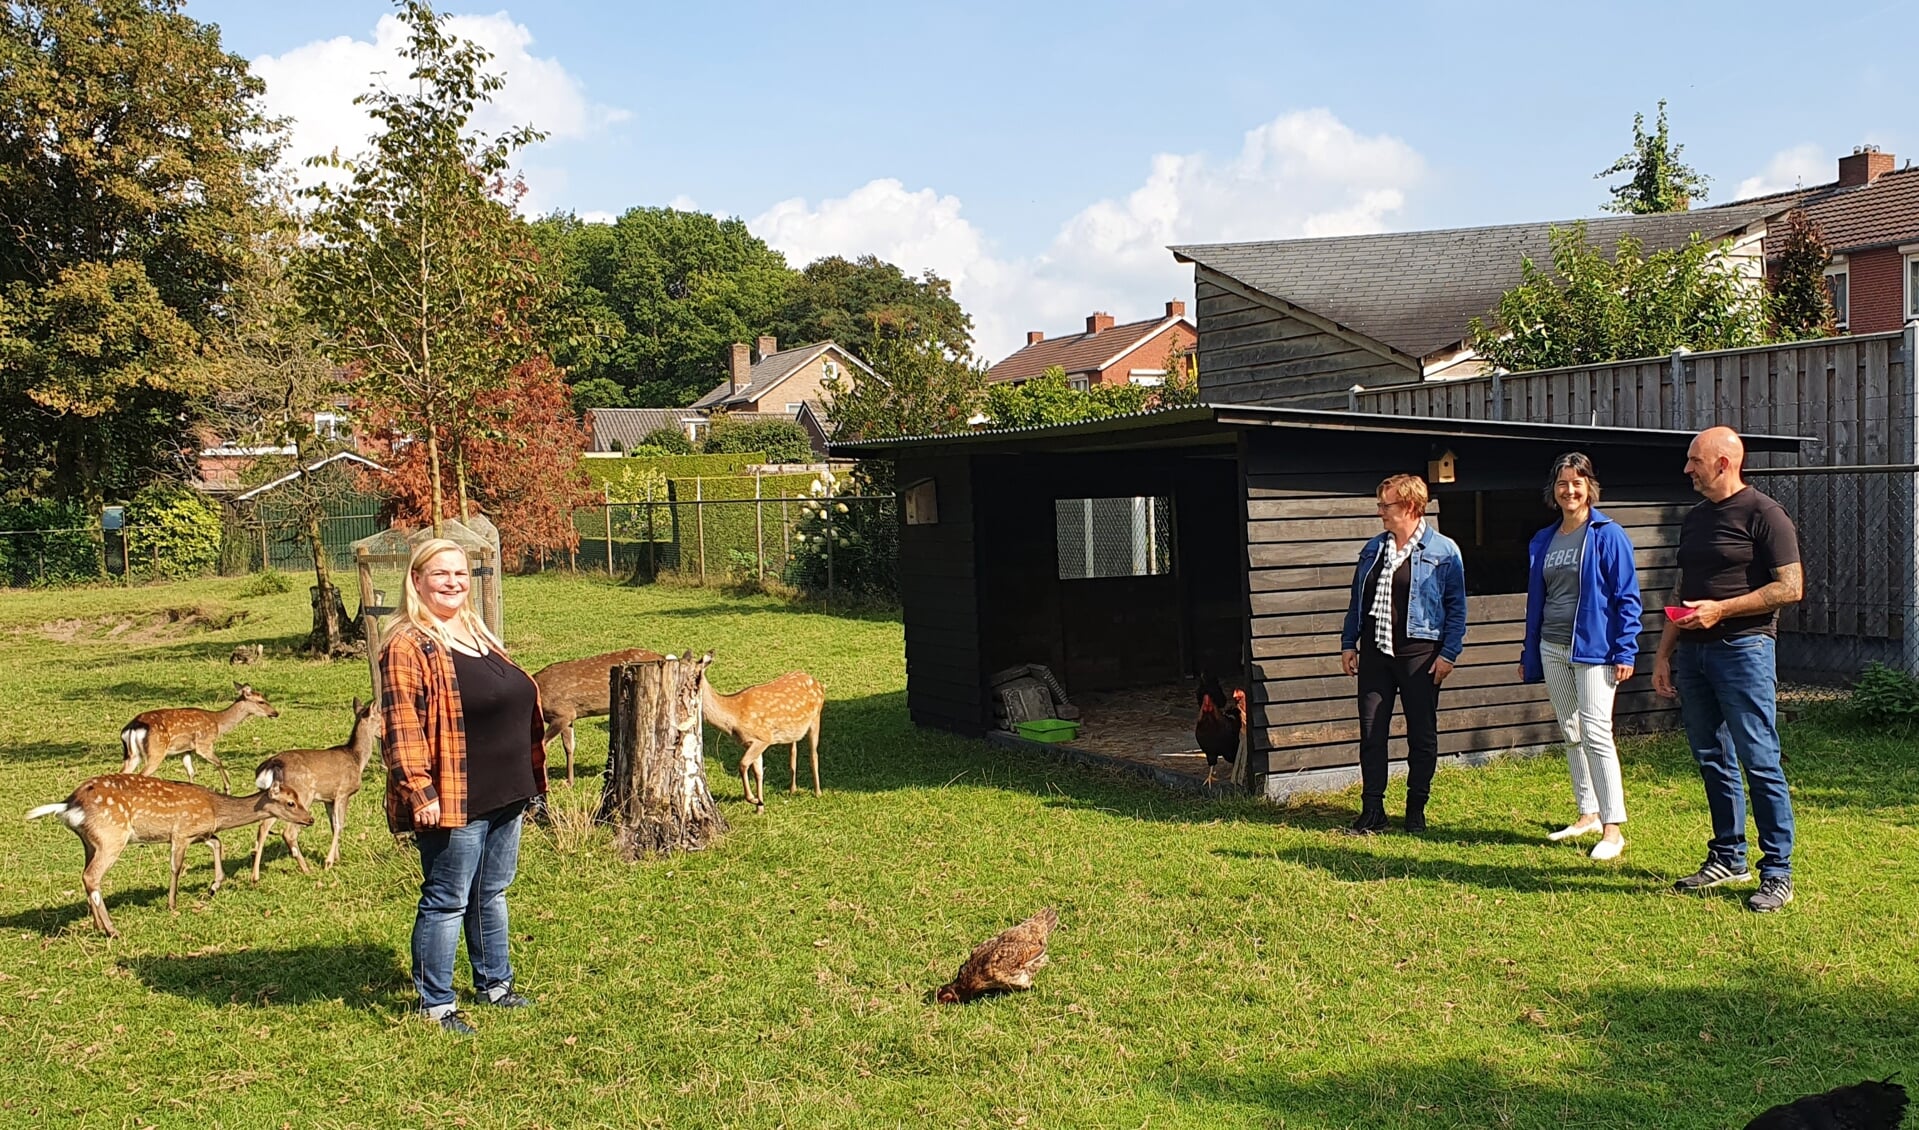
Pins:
x: 1096, y: 322
x: 1175, y: 309
x: 769, y: 345
x: 1034, y: 337
x: 1865, y: 165
x: 739, y: 367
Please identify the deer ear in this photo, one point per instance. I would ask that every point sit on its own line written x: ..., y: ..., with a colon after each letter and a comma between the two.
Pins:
x: 357, y: 708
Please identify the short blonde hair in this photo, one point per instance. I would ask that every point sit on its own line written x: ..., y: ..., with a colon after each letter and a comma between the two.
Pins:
x: 1407, y: 489
x: 413, y: 609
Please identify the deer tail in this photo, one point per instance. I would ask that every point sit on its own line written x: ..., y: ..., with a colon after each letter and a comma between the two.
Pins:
x: 56, y: 809
x: 134, y: 738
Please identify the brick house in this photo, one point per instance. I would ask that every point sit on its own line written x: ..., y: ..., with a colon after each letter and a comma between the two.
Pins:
x: 1869, y: 220
x: 1106, y: 354
x: 778, y: 381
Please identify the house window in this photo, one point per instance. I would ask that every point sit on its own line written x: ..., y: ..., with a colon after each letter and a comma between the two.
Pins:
x: 1912, y: 287
x: 829, y: 370
x: 1147, y: 378
x: 792, y: 408
x: 1079, y: 383
x: 1113, y: 537
x: 330, y: 425
x: 1837, y: 279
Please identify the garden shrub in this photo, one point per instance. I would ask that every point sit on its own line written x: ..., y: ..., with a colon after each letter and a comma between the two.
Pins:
x: 666, y: 441
x: 52, y: 543
x: 1886, y: 697
x: 173, y: 531
x: 267, y: 583
x: 863, y: 533
x: 779, y: 441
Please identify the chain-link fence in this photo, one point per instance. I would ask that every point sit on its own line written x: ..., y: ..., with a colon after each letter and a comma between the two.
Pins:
x: 1857, y: 533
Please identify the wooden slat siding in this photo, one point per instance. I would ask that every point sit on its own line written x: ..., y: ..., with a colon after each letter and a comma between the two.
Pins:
x: 1251, y: 353
x: 939, y: 604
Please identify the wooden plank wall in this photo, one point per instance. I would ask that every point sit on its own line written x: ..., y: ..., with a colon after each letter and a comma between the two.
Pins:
x: 1305, y: 529
x: 1252, y: 353
x: 939, y: 602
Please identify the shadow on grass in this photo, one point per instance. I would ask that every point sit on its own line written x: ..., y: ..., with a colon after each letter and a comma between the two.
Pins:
x: 358, y: 974
x: 100, y: 751
x: 49, y: 921
x: 1380, y: 862
x: 1649, y: 1057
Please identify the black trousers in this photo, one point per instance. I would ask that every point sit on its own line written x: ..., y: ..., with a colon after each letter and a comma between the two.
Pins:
x: 1407, y: 677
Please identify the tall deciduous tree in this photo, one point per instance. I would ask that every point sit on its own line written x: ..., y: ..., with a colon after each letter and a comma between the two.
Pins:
x: 683, y: 285
x: 854, y: 301
x: 429, y: 286
x: 1801, y: 304
x: 132, y: 153
x: 1660, y: 182
x: 1587, y: 309
x: 918, y: 388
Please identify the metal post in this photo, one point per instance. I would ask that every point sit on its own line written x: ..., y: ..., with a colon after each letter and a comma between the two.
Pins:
x: 652, y: 557
x: 830, y: 532
x: 1499, y: 397
x: 699, y: 521
x: 606, y: 502
x: 759, y: 530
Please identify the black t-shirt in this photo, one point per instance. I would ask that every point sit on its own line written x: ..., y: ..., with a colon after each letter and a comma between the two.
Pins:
x: 497, y: 699
x: 1730, y: 548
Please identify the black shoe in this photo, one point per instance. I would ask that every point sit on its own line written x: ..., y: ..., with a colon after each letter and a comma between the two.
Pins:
x: 508, y: 999
x: 1415, y: 818
x: 1370, y: 821
x: 1712, y: 873
x: 455, y: 1023
x: 1774, y: 892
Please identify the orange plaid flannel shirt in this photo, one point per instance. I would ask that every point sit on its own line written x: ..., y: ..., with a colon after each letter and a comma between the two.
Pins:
x: 424, y: 739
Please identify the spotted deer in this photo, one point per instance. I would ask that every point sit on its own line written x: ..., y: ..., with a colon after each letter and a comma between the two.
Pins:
x: 110, y: 812
x: 578, y: 688
x: 188, y: 730
x: 332, y: 775
x: 777, y: 713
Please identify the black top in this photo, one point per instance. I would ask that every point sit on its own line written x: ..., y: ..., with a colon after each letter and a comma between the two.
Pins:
x: 1731, y: 548
x: 497, y: 701
x: 1402, y: 595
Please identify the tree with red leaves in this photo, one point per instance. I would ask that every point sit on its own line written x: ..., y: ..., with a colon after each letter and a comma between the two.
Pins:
x: 521, y: 460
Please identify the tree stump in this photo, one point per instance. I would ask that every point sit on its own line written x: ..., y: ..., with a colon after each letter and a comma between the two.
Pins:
x: 655, y: 792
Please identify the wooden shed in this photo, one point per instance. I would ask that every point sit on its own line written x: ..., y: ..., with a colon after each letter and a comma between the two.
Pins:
x: 1130, y: 554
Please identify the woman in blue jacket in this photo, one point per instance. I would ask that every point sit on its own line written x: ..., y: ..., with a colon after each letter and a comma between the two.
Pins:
x: 1582, y: 636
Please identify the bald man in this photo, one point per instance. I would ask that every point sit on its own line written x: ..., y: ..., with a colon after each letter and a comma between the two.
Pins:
x: 1738, y: 565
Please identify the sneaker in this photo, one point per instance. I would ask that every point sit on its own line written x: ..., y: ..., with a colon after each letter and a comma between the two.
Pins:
x: 508, y: 999
x: 455, y: 1023
x: 1710, y: 874
x: 1369, y: 822
x: 1774, y: 892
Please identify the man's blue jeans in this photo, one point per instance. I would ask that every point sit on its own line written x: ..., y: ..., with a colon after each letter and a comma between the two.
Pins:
x: 1728, y: 698
x: 464, y: 876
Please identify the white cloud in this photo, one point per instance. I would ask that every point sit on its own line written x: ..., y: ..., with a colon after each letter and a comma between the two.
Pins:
x: 315, y: 85
x: 1806, y: 164
x: 1302, y: 174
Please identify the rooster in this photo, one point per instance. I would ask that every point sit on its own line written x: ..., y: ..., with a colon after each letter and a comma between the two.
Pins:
x: 1004, y: 962
x: 1862, y: 1106
x: 1217, y: 730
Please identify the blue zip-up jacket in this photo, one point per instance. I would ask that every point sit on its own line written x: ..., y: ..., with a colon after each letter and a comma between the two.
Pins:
x: 1606, y: 619
x: 1436, y: 605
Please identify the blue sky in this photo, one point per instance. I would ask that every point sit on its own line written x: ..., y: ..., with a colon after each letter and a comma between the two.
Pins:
x: 1041, y: 155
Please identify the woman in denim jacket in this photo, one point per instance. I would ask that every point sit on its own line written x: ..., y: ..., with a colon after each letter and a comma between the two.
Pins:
x: 1582, y: 637
x: 1405, y: 627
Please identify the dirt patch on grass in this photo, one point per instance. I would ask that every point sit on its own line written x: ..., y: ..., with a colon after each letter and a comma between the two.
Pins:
x: 145, y: 626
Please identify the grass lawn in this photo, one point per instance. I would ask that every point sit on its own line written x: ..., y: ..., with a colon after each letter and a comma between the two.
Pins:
x: 1217, y: 964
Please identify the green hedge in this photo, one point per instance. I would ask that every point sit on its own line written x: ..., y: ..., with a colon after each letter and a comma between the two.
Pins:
x: 672, y: 466
x: 731, y: 537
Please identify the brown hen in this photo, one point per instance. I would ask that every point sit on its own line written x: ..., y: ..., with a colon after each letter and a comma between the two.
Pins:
x: 1004, y: 962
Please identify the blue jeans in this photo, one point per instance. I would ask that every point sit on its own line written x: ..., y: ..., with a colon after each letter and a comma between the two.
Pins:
x: 1728, y: 692
x: 464, y: 876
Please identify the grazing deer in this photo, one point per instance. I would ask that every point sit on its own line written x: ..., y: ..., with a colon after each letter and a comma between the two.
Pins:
x: 188, y: 730
x: 312, y: 775
x: 578, y: 688
x: 110, y: 812
x: 776, y: 713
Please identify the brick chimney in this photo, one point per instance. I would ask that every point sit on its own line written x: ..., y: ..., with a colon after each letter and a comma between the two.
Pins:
x: 1096, y: 322
x: 769, y: 345
x: 1175, y: 309
x: 1865, y: 165
x: 739, y: 367
x: 1034, y: 337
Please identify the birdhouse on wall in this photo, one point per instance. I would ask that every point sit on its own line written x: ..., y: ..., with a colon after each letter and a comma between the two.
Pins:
x: 1440, y: 469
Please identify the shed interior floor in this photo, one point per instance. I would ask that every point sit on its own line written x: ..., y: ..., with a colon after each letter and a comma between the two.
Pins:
x: 1150, y: 725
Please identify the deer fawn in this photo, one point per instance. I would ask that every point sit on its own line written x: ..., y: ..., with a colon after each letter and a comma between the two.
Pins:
x: 578, y: 688
x: 776, y: 713
x: 188, y: 730
x: 331, y: 775
x: 110, y: 812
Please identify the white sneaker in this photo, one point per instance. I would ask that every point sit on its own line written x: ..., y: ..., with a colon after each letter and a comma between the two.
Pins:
x: 1609, y: 849
x: 1572, y: 830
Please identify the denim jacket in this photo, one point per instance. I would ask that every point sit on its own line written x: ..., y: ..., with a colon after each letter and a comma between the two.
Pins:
x: 1436, y: 606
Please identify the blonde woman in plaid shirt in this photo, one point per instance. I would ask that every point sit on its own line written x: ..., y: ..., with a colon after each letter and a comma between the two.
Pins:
x: 463, y: 760
x: 1405, y: 627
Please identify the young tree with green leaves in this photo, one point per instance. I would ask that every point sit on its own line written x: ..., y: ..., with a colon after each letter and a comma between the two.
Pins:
x: 1051, y: 399
x: 918, y: 387
x: 1588, y: 309
x: 428, y: 285
x: 854, y: 301
x: 1800, y: 304
x: 133, y: 151
x: 1660, y: 182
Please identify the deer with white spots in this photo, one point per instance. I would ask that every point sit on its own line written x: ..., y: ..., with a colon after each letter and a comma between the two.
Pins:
x: 780, y: 712
x: 188, y: 731
x: 580, y: 688
x: 332, y: 775
x: 110, y: 812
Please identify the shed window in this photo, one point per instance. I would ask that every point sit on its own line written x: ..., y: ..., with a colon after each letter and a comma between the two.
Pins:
x: 1114, y: 537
